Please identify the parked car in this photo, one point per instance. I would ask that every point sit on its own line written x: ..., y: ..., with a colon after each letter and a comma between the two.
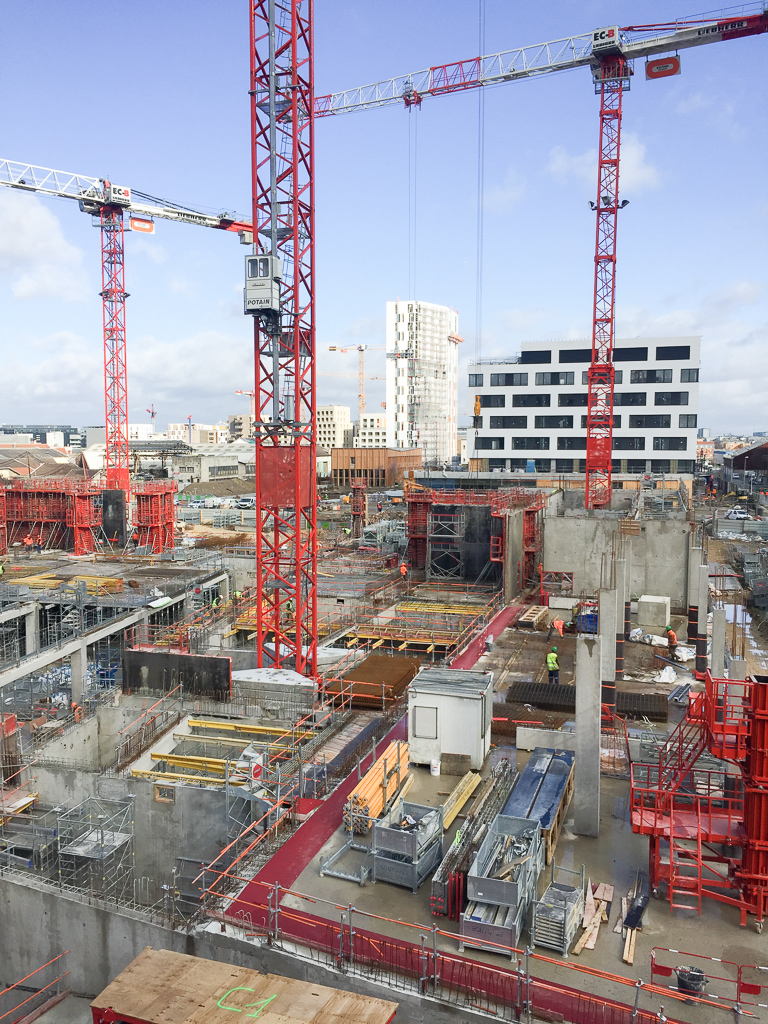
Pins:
x: 197, y: 503
x: 245, y: 503
x: 737, y: 513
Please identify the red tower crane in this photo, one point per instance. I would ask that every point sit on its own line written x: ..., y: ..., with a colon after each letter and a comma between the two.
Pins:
x: 108, y: 203
x: 279, y: 293
x: 610, y: 53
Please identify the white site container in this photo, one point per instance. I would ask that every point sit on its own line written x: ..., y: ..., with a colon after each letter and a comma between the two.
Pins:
x: 450, y: 712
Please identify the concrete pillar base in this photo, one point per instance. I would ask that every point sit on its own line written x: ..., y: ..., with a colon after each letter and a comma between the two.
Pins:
x: 586, y: 797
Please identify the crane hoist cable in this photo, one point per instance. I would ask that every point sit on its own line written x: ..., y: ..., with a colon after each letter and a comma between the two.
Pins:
x: 480, y: 195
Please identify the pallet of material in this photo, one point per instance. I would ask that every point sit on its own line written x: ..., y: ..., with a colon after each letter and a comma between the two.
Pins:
x: 375, y: 790
x: 379, y: 678
x: 543, y: 793
x: 563, y: 698
x: 534, y: 617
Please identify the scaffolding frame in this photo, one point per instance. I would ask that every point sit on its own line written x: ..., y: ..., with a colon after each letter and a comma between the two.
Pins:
x: 446, y: 526
x: 96, y: 848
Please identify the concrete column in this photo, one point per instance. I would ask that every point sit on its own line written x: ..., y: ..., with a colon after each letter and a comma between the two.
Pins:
x: 628, y: 591
x: 703, y: 607
x: 738, y: 669
x: 224, y: 589
x: 620, y: 568
x: 31, y: 631
x: 586, y: 798
x: 694, y: 561
x: 607, y: 626
x: 78, y: 661
x: 718, y: 643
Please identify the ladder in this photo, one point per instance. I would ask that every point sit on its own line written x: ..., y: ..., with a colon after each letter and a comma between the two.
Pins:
x: 684, y: 882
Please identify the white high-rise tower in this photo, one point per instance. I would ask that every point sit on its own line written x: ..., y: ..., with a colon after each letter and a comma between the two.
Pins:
x: 422, y: 378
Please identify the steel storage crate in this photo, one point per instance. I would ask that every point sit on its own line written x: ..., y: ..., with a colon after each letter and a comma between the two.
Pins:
x: 520, y: 887
x: 556, y: 917
x: 408, y: 843
x: 394, y: 868
x: 488, y: 926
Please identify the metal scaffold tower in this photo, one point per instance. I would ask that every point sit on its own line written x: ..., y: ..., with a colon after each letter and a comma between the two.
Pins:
x: 279, y: 292
x: 445, y: 534
x: 96, y: 848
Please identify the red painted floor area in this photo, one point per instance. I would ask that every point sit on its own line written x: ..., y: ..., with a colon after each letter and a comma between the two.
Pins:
x: 295, y: 853
x: 476, y: 646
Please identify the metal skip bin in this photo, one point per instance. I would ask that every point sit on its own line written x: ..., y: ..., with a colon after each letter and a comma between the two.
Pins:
x: 501, y: 884
x: 406, y: 855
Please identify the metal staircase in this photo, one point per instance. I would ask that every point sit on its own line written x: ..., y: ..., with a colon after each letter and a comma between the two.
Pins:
x: 680, y: 753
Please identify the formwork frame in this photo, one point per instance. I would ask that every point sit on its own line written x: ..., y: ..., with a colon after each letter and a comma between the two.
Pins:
x: 155, y: 515
x: 60, y: 513
x: 445, y: 535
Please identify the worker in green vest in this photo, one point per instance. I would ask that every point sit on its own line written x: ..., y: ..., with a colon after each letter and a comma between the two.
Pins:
x: 553, y: 667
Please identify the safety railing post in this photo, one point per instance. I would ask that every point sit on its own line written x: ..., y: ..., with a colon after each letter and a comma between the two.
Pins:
x: 424, y: 969
x: 636, y: 1008
x: 350, y: 910
x: 435, y: 971
x: 527, y: 1001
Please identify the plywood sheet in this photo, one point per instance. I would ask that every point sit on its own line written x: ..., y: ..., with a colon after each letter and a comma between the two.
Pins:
x: 161, y: 987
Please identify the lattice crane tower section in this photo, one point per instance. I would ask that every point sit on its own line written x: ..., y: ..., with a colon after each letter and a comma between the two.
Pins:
x: 279, y: 293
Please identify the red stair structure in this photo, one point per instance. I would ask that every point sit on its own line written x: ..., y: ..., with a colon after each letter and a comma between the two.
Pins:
x: 155, y: 515
x: 708, y: 828
x: 359, y: 506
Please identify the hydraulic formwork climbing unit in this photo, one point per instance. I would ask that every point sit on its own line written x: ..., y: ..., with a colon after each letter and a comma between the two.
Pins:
x: 359, y: 506
x: 280, y: 276
x: 708, y: 828
x: 155, y: 515
x: 54, y: 513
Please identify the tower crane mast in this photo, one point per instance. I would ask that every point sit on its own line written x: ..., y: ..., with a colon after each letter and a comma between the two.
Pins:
x: 609, y: 53
x: 108, y: 203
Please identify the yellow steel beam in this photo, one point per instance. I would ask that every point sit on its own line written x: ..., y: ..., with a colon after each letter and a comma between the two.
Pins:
x: 172, y: 777
x: 202, y: 764
x: 249, y: 730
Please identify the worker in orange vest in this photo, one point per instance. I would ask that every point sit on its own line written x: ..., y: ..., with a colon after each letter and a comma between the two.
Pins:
x: 403, y: 569
x: 671, y: 641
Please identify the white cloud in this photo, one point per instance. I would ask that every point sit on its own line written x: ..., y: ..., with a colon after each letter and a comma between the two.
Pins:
x: 35, y: 254
x: 152, y: 250
x: 635, y: 175
x: 507, y: 193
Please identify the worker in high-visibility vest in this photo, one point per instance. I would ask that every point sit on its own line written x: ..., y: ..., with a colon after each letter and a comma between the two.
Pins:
x: 671, y: 642
x: 553, y: 667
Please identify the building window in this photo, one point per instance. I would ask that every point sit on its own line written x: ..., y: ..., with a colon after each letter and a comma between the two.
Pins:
x: 576, y: 355
x: 554, y: 378
x: 669, y: 444
x: 660, y: 465
x: 492, y: 401
x: 635, y: 465
x: 543, y: 465
x: 572, y: 444
x: 650, y: 377
x: 497, y: 463
x: 671, y: 398
x: 650, y: 422
x: 553, y: 422
x: 536, y: 357
x: 571, y: 400
x: 494, y: 444
x: 629, y: 398
x: 563, y: 465
x: 673, y: 352
x: 616, y: 422
x: 630, y: 355
x: 689, y: 376
x: 164, y: 794
x: 425, y: 723
x: 509, y: 380
x: 223, y: 471
x: 530, y: 401
x: 530, y: 443
x: 688, y: 419
x: 475, y: 380
x: 686, y: 466
x: 477, y: 421
x: 618, y: 377
x: 508, y: 422
x: 629, y: 444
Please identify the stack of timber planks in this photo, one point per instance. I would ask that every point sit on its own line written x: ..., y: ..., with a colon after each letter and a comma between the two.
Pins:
x: 375, y: 790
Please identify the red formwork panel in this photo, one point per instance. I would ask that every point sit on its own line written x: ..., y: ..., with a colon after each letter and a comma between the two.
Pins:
x: 155, y: 515
x: 3, y: 529
x: 64, y: 513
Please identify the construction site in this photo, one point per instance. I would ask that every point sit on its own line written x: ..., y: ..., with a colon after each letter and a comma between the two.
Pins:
x: 498, y: 752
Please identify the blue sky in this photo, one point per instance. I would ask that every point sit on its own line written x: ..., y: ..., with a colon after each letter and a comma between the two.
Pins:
x: 154, y: 95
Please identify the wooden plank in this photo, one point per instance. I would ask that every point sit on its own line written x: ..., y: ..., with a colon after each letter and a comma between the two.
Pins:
x: 619, y: 926
x: 629, y: 946
x: 589, y: 905
x: 161, y: 987
x: 461, y: 793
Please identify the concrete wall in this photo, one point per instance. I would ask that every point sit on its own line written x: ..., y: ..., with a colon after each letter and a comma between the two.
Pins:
x: 38, y: 925
x: 659, y: 562
x: 94, y: 741
x: 513, y: 553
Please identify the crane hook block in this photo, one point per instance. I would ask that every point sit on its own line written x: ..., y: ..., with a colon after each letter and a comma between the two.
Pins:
x: 263, y: 275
